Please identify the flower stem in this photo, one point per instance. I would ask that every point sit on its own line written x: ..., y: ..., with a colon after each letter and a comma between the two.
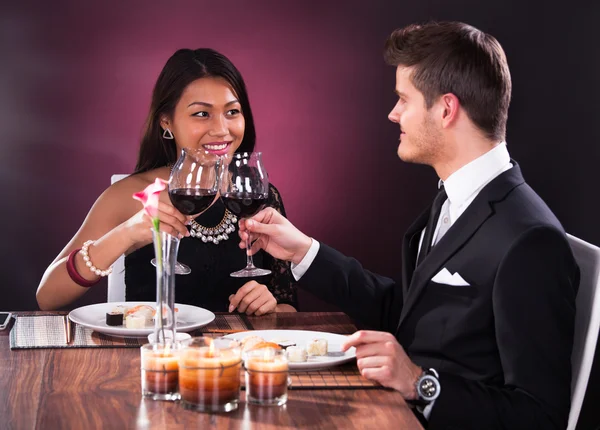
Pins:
x: 159, y: 265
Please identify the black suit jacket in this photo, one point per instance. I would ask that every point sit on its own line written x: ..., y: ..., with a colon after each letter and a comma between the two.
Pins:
x: 502, y: 345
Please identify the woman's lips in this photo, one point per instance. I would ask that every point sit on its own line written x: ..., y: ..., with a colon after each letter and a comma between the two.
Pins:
x: 219, y: 148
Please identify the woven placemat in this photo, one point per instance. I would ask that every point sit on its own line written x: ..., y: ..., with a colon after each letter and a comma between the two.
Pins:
x: 227, y: 323
x: 48, y: 331
x: 339, y: 377
x: 333, y: 378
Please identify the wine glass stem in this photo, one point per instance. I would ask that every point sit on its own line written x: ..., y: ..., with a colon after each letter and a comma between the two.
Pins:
x: 249, y: 261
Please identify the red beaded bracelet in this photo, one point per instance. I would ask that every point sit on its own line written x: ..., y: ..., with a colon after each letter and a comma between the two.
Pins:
x: 75, y: 276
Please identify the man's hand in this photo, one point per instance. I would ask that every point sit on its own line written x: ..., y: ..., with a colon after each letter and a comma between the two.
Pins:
x: 382, y: 359
x: 271, y: 231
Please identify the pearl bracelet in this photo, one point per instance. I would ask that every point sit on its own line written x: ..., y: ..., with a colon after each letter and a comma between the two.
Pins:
x: 88, y: 262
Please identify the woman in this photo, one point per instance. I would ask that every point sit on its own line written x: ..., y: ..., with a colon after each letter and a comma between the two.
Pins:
x: 199, y: 101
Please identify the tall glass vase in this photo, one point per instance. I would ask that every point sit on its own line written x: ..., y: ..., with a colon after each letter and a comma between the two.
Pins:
x: 165, y: 249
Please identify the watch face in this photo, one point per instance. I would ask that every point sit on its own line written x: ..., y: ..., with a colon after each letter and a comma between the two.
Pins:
x: 428, y: 387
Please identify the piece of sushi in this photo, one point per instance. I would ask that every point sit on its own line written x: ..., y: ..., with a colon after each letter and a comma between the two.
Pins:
x: 165, y: 313
x: 284, y: 343
x: 249, y: 342
x: 296, y: 354
x: 114, y: 318
x: 317, y: 347
x: 145, y: 311
x: 135, y: 321
x: 264, y: 344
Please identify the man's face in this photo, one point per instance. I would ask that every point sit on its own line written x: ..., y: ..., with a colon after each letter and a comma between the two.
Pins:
x: 420, y: 137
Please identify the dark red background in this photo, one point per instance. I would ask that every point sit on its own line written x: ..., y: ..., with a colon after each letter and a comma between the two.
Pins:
x: 76, y: 77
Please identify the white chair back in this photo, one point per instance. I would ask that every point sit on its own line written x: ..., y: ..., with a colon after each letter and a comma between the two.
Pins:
x: 587, y: 322
x: 116, y: 280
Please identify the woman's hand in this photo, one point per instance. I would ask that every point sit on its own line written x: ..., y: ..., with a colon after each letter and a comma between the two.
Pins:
x: 139, y: 226
x: 253, y: 299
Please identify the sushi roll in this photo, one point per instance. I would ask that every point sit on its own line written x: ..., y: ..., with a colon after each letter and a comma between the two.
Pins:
x: 114, y: 318
x: 120, y: 309
x: 317, y: 347
x: 296, y: 354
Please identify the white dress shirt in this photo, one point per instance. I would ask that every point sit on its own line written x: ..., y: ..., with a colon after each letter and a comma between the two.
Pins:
x: 465, y: 184
x: 461, y: 188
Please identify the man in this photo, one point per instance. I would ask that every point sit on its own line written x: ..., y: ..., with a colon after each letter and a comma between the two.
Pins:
x: 479, y: 334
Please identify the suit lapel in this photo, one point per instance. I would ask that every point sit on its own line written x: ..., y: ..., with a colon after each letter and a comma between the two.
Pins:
x: 482, y: 208
x: 410, y: 246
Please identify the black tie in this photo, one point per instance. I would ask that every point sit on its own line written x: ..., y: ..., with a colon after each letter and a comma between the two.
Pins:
x: 436, y: 208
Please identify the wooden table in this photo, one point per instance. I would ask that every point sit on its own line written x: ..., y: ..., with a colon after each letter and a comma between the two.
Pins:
x: 89, y: 388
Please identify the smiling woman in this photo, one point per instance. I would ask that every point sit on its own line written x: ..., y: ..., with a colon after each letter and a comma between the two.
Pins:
x: 199, y: 102
x: 216, y: 123
x: 199, y: 99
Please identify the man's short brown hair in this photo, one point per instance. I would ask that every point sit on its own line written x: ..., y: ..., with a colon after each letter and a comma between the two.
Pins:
x: 452, y: 57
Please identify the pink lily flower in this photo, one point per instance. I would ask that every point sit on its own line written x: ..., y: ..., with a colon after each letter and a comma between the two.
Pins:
x: 149, y: 198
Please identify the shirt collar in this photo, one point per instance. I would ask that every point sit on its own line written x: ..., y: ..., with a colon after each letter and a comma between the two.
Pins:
x: 473, y: 176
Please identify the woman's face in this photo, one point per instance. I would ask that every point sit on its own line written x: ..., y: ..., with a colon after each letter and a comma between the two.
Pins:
x: 208, y: 116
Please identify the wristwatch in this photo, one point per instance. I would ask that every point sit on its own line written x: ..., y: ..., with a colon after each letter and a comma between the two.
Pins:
x: 428, y: 387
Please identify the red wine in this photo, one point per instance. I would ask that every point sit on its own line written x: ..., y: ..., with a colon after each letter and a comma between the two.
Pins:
x: 190, y: 201
x: 244, y: 205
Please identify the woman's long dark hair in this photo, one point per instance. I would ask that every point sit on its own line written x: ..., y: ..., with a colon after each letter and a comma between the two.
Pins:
x: 184, y: 67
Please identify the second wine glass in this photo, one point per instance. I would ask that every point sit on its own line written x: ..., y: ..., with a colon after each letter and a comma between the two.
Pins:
x: 244, y: 190
x: 193, y: 186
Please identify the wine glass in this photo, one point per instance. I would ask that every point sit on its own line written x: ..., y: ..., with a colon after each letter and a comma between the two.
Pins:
x: 193, y: 186
x: 244, y: 189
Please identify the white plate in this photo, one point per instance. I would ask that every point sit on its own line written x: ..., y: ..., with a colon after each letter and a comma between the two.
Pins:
x: 301, y: 338
x: 94, y: 316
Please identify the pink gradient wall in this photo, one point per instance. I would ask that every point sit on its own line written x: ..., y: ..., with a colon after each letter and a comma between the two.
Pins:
x: 75, y: 85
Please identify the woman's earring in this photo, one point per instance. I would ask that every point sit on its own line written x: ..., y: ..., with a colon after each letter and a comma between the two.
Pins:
x: 167, y: 134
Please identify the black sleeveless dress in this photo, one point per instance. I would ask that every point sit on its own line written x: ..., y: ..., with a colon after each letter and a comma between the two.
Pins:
x: 209, y: 285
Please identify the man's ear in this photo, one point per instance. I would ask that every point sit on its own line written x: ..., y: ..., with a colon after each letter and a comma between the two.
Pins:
x: 449, y: 106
